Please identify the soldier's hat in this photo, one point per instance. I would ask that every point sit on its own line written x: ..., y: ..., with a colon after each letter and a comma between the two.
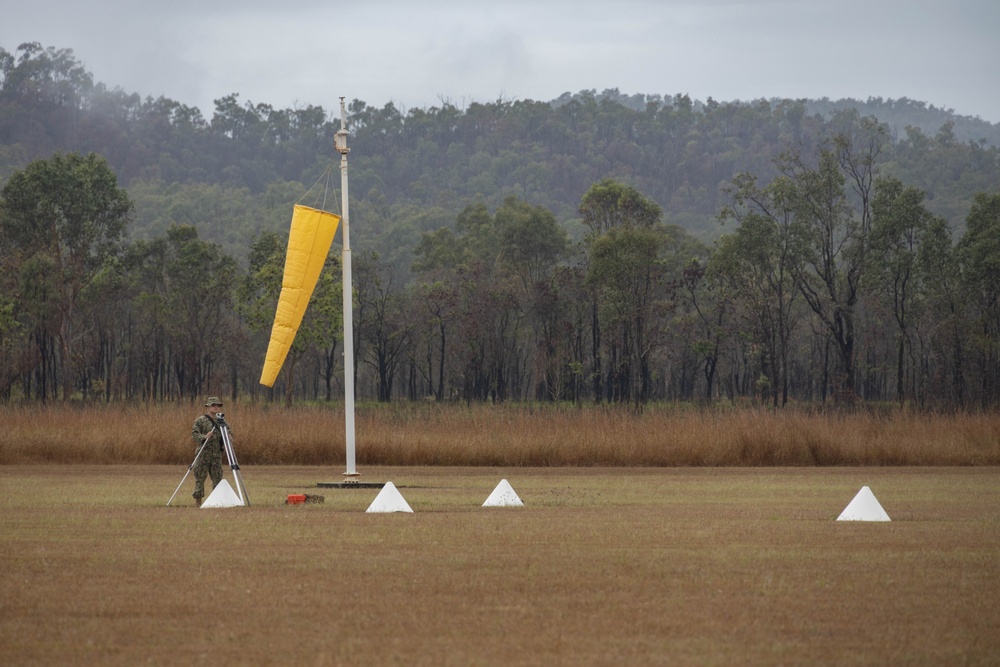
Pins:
x: 212, y: 400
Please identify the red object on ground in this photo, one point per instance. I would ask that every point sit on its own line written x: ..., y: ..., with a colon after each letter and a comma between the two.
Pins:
x: 296, y: 499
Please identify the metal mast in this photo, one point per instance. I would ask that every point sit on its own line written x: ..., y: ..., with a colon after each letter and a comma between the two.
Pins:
x: 340, y: 143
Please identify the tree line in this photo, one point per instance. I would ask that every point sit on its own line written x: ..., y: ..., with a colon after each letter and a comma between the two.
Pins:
x: 515, y: 250
x: 836, y: 284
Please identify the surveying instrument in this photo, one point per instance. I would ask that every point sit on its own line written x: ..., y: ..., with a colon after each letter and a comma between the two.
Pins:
x: 227, y: 447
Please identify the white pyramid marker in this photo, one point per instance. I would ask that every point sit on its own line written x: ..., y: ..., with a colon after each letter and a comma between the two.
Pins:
x: 864, y: 507
x: 222, y: 496
x: 503, y: 496
x: 389, y: 499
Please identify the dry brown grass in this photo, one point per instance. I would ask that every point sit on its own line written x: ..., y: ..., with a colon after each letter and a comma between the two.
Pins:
x: 509, y: 435
x: 603, y: 566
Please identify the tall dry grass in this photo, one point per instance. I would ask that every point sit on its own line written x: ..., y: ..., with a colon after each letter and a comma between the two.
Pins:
x: 507, y: 435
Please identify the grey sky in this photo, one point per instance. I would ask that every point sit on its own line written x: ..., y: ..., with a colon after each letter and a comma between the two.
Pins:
x: 417, y: 54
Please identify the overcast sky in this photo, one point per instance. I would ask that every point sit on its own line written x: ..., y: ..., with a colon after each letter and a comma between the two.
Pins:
x: 416, y: 54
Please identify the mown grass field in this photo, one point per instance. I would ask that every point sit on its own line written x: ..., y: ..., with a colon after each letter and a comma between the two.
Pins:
x: 603, y: 566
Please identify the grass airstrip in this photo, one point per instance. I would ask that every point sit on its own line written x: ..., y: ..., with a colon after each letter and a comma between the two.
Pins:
x: 602, y: 566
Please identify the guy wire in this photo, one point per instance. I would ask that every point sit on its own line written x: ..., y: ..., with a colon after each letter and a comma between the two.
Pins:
x: 320, y: 199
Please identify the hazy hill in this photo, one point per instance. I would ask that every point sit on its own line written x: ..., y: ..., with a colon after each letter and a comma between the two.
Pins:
x: 235, y: 171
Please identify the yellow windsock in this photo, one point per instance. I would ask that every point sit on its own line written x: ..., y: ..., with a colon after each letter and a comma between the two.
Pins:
x: 309, y: 242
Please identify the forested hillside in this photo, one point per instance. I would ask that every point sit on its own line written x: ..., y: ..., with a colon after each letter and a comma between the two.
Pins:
x: 233, y: 173
x: 599, y: 246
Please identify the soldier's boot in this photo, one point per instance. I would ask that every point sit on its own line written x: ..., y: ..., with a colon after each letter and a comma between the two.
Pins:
x: 197, y: 501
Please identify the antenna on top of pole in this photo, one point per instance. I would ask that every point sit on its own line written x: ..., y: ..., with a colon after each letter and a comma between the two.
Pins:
x: 340, y: 139
x: 340, y: 144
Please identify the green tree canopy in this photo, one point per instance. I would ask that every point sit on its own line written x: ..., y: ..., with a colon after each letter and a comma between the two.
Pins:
x: 68, y: 213
x: 610, y: 204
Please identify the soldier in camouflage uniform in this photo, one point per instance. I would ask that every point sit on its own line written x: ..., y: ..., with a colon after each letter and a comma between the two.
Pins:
x: 210, y: 461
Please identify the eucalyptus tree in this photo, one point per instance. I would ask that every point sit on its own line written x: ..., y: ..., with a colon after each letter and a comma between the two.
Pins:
x: 945, y: 328
x: 67, y: 216
x: 26, y: 315
x: 623, y: 273
x: 634, y: 275
x: 490, y: 309
x: 437, y: 256
x: 757, y: 262
x: 609, y: 204
x: 979, y: 253
x: 706, y: 301
x: 899, y: 221
x: 435, y: 299
x: 41, y: 91
x: 531, y: 244
x: 566, y: 306
x: 200, y: 282
x: 487, y: 275
x: 831, y: 226
x: 15, y: 347
x: 105, y: 339
x: 623, y: 270
x: 149, y: 319
x: 489, y: 315
x: 385, y: 331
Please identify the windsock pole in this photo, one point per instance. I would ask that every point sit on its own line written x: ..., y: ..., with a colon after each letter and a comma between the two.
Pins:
x: 340, y: 143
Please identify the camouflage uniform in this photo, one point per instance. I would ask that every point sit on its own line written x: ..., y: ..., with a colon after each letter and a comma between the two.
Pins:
x: 210, y: 461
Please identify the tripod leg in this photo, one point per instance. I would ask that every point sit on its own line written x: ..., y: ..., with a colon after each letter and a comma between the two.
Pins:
x: 190, y: 467
x: 180, y: 485
x: 244, y: 496
x: 235, y: 465
x: 227, y: 446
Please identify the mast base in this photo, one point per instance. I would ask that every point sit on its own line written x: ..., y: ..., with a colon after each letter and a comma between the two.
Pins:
x: 353, y: 484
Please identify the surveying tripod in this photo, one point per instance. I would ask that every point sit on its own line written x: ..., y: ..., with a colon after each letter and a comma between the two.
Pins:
x: 227, y: 447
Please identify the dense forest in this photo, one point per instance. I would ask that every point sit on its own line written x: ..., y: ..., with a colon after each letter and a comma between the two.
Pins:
x: 598, y: 247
